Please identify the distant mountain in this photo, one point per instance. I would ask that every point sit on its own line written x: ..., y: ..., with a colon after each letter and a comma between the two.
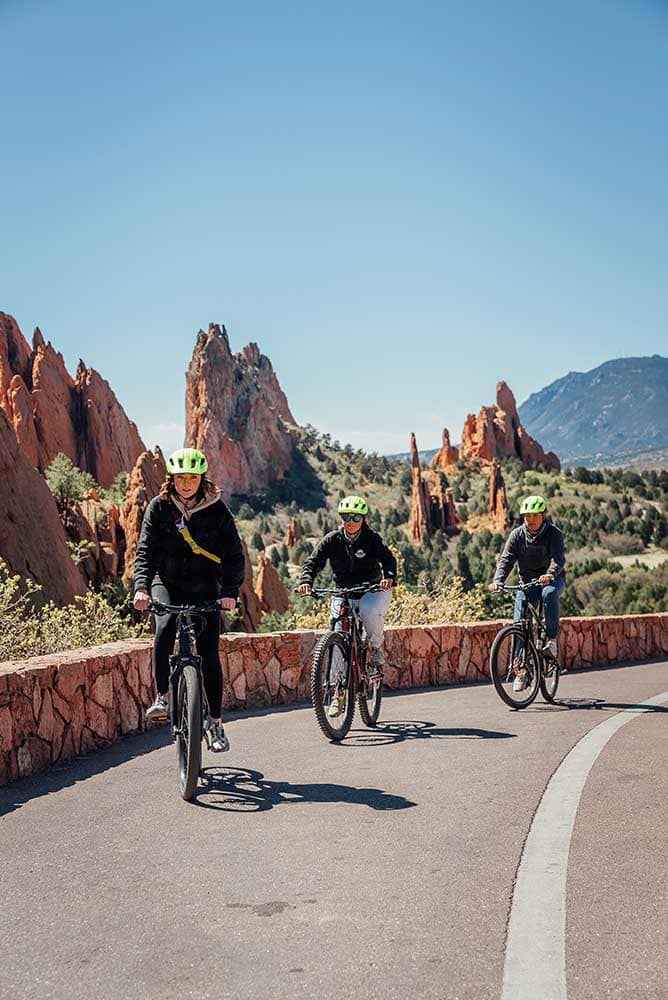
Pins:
x: 404, y: 456
x: 615, y: 414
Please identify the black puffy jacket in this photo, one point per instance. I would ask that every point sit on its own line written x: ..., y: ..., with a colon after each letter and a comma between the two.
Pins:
x: 353, y: 562
x: 164, y: 556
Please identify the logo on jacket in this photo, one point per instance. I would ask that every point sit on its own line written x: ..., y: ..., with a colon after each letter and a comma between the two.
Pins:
x: 360, y: 554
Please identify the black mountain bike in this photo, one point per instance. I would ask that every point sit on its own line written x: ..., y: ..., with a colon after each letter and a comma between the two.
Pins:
x: 517, y: 664
x: 339, y: 669
x: 188, y: 705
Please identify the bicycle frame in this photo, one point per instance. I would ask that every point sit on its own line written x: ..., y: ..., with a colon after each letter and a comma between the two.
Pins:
x: 186, y: 636
x: 348, y: 623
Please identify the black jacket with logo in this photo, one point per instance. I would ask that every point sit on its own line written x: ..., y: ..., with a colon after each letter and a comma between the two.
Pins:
x: 164, y: 556
x: 535, y: 555
x: 353, y: 561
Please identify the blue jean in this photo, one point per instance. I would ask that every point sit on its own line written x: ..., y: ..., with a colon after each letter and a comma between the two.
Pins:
x: 551, y: 595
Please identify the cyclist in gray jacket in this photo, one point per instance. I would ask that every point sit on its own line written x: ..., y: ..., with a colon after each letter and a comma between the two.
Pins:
x: 537, y: 547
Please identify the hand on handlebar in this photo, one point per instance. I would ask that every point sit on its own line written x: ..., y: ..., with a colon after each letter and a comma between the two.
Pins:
x: 227, y: 603
x: 304, y: 588
x: 141, y: 601
x: 386, y: 583
x: 495, y: 587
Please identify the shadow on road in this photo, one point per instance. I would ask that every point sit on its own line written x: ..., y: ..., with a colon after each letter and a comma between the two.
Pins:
x: 387, y: 733
x: 234, y: 789
x: 72, y: 770
x: 570, y: 704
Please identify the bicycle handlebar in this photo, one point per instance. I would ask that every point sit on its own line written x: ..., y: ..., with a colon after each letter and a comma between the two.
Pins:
x: 169, y: 609
x: 360, y: 588
x: 504, y: 587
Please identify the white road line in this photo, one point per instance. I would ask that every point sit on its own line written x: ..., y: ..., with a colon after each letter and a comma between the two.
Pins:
x: 535, y: 964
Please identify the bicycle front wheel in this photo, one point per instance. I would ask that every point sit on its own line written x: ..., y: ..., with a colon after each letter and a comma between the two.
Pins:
x: 514, y: 668
x: 370, y: 694
x: 331, y: 686
x: 189, y: 731
x: 549, y: 679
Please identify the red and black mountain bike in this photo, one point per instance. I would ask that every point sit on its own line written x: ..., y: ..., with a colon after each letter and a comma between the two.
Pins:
x: 340, y: 674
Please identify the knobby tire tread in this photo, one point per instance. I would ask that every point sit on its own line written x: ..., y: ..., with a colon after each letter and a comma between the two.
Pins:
x: 493, y: 669
x: 190, y: 757
x: 318, y: 663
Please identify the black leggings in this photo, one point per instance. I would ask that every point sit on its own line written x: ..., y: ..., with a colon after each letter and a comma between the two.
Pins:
x: 207, y: 645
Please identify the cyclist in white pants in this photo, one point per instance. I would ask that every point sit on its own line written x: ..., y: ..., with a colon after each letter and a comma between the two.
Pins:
x: 357, y: 555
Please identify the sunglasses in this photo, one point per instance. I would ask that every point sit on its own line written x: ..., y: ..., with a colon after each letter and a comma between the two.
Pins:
x: 351, y: 517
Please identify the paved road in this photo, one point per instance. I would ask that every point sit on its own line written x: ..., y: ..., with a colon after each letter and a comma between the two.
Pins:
x: 383, y: 867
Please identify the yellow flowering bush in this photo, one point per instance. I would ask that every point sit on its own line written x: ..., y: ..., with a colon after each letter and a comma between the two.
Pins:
x: 28, y: 629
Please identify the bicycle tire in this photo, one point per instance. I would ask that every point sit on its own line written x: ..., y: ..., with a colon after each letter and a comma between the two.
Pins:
x: 189, y: 731
x: 549, y: 683
x: 499, y: 672
x: 321, y: 690
x: 370, y: 696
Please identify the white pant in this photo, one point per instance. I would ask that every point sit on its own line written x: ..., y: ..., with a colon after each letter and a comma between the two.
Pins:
x: 372, y: 609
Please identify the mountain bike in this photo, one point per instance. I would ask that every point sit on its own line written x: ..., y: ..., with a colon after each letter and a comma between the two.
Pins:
x: 517, y: 652
x: 340, y: 669
x: 188, y: 705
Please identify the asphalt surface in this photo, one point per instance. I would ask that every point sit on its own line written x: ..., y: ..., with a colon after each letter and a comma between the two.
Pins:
x: 383, y: 867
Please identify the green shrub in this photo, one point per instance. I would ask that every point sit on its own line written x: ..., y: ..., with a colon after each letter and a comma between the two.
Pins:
x: 67, y: 483
x: 30, y: 629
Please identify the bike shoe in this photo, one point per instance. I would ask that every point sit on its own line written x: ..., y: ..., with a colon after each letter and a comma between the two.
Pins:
x: 159, y: 709
x: 337, y: 706
x: 376, y: 656
x: 214, y: 733
x: 520, y: 682
x: 550, y: 649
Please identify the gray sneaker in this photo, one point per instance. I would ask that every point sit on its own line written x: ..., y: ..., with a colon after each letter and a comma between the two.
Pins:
x: 159, y: 709
x: 550, y: 649
x: 214, y: 734
x: 377, y: 656
x: 337, y: 705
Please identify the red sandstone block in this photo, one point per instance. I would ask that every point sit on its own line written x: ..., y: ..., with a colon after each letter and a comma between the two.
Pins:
x: 288, y: 654
x: 70, y: 676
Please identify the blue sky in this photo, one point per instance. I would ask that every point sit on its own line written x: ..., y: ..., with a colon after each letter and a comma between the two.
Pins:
x: 401, y: 203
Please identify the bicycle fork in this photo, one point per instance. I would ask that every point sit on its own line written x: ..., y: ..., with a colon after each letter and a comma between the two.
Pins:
x: 176, y: 664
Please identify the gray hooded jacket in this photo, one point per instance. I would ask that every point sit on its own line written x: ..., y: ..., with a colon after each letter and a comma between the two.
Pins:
x: 535, y: 555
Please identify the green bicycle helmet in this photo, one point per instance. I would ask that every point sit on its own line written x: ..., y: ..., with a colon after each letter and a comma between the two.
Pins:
x: 353, y: 505
x: 187, y: 460
x: 533, y: 505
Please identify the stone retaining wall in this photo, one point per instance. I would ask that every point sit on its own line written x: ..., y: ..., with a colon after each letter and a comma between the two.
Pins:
x: 60, y: 706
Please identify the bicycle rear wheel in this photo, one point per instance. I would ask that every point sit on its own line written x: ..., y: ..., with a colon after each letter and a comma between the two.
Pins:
x: 514, y: 667
x: 189, y: 731
x: 331, y: 679
x: 370, y: 695
x: 549, y: 682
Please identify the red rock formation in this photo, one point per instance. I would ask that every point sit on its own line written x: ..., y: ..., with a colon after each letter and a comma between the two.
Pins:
x: 52, y: 412
x: 498, y: 501
x: 269, y: 587
x: 237, y: 413
x: 448, y: 454
x: 294, y: 532
x: 97, y: 522
x: 108, y: 441
x: 497, y: 433
x: 144, y: 483
x: 432, y: 503
x: 251, y: 613
x: 32, y: 540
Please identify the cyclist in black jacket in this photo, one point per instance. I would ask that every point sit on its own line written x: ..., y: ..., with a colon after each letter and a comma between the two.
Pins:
x: 537, y: 546
x: 357, y: 555
x: 189, y: 552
